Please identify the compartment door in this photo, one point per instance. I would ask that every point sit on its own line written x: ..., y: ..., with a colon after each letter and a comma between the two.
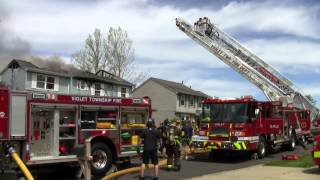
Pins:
x: 18, y: 116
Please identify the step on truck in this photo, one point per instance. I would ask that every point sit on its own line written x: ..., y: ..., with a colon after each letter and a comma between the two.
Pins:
x: 45, y: 128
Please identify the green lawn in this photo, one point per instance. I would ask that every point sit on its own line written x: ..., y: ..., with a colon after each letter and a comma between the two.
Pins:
x: 304, y: 162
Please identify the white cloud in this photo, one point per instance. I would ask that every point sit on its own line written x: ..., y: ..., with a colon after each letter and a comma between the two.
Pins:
x: 270, y: 16
x: 59, y: 27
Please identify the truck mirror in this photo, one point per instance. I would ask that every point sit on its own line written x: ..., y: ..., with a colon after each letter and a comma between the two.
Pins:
x: 256, y: 112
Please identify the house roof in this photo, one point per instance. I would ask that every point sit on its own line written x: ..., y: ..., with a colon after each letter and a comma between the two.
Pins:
x: 67, y: 72
x: 177, y: 87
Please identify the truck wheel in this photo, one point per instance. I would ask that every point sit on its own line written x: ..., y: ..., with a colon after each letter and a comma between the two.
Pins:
x: 101, y: 158
x: 292, y: 142
x: 261, y: 149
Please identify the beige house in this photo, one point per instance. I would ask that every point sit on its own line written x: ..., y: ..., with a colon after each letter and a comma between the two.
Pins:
x: 171, y: 99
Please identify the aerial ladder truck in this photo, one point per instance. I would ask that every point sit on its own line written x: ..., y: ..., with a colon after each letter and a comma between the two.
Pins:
x: 286, y: 102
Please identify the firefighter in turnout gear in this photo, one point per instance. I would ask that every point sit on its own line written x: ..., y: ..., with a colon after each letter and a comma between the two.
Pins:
x: 173, y: 136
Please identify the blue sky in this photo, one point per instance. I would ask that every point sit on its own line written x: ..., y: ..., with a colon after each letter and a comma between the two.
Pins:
x: 286, y: 34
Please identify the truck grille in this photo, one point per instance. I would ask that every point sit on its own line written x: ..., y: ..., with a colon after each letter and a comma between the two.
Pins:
x: 220, y: 132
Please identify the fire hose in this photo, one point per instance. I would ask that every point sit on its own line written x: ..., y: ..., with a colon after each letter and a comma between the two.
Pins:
x: 20, y: 163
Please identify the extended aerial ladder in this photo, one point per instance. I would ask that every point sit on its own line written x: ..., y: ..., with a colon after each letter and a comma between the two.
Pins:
x: 275, y: 86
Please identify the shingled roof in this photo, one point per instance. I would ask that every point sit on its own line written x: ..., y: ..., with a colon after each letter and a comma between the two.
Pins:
x: 66, y: 72
x: 178, y: 87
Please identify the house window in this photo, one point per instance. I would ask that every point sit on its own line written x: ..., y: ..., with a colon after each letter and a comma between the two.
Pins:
x: 82, y: 85
x: 41, y: 81
x: 45, y: 82
x: 182, y: 100
x: 97, y: 89
x: 50, y: 82
x: 123, y: 92
x: 191, y: 101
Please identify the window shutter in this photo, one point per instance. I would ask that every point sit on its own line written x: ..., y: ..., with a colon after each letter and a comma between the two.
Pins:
x: 34, y: 80
x: 102, y: 91
x: 119, y: 91
x: 56, y: 83
x: 127, y: 92
x: 92, y: 89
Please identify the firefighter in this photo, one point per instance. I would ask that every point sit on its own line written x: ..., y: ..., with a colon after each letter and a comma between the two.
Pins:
x: 173, y: 137
x: 188, y: 132
x: 162, y: 129
x: 150, y: 137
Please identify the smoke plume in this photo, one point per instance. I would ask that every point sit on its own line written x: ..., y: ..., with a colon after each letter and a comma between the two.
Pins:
x: 54, y: 63
x: 11, y: 46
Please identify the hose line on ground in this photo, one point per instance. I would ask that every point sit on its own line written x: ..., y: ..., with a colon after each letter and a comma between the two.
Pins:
x: 20, y: 163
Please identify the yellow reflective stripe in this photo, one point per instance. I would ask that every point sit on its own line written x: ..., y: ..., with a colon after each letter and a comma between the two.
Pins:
x: 237, y: 145
x: 244, y: 146
x: 316, y: 154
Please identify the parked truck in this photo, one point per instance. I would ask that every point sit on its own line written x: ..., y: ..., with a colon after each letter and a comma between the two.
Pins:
x: 247, y: 124
x: 44, y: 128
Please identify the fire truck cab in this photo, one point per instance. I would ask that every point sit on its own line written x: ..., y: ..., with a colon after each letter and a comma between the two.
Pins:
x: 245, y: 124
x: 44, y: 128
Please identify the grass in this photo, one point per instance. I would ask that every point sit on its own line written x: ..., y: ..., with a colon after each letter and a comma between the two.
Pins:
x: 304, y: 162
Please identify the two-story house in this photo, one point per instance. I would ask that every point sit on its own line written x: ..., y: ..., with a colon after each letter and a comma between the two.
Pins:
x: 25, y: 76
x: 171, y: 99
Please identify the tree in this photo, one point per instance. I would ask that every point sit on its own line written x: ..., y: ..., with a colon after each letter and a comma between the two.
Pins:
x: 94, y: 56
x: 113, y: 53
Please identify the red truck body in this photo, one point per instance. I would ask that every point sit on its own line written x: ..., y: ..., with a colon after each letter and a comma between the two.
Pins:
x: 44, y: 127
x: 246, y: 124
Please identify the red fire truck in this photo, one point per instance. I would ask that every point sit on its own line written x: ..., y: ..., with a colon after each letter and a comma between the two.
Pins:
x: 246, y: 124
x: 316, y: 151
x: 45, y: 128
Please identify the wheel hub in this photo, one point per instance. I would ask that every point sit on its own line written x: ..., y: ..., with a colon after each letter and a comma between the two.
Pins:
x: 99, y: 159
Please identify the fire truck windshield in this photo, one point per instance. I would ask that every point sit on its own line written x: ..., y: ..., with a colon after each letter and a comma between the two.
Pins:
x: 228, y: 112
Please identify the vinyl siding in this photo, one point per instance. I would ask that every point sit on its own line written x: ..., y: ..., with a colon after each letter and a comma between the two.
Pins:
x: 163, y: 101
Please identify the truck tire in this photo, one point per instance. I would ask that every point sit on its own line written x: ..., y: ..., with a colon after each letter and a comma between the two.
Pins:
x: 292, y: 142
x: 101, y: 158
x: 262, y: 148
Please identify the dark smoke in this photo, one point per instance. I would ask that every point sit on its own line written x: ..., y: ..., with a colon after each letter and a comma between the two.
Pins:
x: 53, y: 63
x: 11, y: 46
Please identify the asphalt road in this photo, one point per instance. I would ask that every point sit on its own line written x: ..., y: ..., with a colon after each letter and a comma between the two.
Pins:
x: 200, y: 165
x: 204, y: 164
